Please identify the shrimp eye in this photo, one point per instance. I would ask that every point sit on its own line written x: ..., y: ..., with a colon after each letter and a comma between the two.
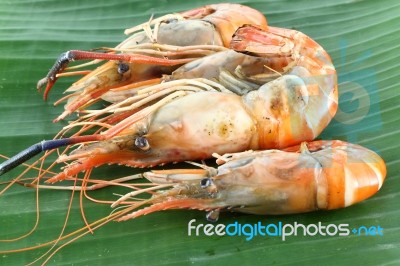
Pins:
x: 206, y: 182
x: 209, y: 186
x: 142, y: 143
x: 122, y: 68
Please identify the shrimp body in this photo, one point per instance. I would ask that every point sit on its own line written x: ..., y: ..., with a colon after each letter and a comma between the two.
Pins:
x: 176, y: 39
x: 292, y: 108
x: 300, y: 95
x: 321, y: 175
x: 300, y: 103
x: 216, y: 122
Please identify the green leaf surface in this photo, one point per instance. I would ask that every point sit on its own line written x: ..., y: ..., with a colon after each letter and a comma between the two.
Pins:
x: 361, y: 36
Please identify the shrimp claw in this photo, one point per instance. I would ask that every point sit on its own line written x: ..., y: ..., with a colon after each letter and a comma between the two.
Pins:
x: 61, y: 63
x: 65, y: 58
x: 42, y: 146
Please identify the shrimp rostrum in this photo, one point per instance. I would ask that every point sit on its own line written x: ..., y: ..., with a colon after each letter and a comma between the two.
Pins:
x: 150, y: 53
x: 294, y: 107
x: 321, y: 175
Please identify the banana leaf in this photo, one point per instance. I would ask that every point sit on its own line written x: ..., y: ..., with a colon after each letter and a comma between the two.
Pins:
x: 362, y: 39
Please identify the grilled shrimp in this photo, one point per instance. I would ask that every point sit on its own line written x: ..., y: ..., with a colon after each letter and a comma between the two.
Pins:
x: 320, y: 175
x: 148, y: 54
x: 292, y: 108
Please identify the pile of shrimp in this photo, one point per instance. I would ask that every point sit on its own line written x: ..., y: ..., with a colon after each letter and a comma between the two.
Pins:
x: 215, y: 81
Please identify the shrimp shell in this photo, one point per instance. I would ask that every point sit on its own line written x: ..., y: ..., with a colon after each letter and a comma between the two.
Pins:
x: 321, y: 175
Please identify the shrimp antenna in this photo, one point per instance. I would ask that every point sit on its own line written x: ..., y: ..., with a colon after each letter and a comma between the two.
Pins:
x: 44, y: 145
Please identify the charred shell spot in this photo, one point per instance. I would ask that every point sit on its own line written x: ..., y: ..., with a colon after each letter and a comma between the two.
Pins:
x: 226, y: 129
x: 171, y: 20
x: 276, y: 103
